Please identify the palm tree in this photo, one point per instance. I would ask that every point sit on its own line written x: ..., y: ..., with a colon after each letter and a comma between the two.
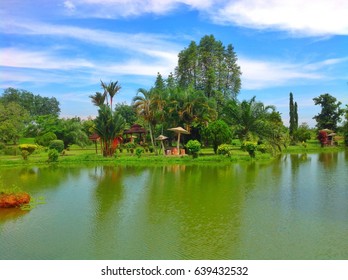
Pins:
x: 143, y: 105
x: 110, y: 89
x: 248, y: 117
x: 108, y: 127
x: 98, y: 99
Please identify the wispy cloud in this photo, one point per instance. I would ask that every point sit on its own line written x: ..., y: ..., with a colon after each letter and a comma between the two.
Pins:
x: 306, y: 18
x: 260, y: 74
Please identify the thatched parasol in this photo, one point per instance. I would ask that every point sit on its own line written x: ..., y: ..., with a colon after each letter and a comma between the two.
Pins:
x: 161, y: 138
x: 179, y: 130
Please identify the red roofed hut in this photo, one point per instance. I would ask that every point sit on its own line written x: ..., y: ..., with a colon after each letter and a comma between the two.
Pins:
x: 135, y: 129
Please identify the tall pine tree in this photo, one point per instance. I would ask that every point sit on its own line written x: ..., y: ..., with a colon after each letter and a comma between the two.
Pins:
x: 293, y: 116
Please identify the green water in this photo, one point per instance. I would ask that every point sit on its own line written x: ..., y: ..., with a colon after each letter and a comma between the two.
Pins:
x: 293, y: 208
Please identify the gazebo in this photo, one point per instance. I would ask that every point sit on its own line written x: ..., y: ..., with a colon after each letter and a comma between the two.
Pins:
x: 94, y: 138
x: 135, y: 129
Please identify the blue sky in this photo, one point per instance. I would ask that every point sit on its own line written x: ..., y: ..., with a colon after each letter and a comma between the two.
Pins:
x: 64, y: 48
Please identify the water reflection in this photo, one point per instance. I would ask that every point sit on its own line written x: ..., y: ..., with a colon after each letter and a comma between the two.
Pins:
x: 292, y: 208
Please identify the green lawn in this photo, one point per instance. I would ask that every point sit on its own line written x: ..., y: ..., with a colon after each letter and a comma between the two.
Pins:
x: 88, y: 154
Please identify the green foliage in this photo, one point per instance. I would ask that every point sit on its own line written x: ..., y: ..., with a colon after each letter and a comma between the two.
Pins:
x: 35, y: 105
x: 71, y: 131
x: 262, y: 148
x: 330, y: 113
x: 45, y: 139
x: 57, y: 145
x: 127, y: 112
x: 303, y: 133
x: 108, y: 126
x: 30, y: 148
x: 249, y: 147
x: 217, y: 133
x: 25, y: 154
x: 193, y: 146
x: 211, y: 67
x: 139, y: 151
x: 12, y: 122
x: 10, y: 151
x: 53, y: 155
x: 293, y: 117
x: 225, y: 149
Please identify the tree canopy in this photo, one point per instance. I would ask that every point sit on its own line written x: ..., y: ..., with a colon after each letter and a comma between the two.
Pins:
x: 35, y: 105
x: 330, y: 114
x: 210, y: 67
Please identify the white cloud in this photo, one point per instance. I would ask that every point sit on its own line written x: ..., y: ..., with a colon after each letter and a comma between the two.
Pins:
x: 322, y: 17
x: 12, y: 57
x: 309, y: 18
x: 260, y: 74
x: 125, y: 8
x: 70, y: 6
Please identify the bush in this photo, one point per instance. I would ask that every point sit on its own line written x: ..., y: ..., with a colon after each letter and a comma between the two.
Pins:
x: 53, y: 155
x: 262, y: 148
x: 58, y: 145
x: 225, y: 149
x: 193, y: 146
x: 30, y: 148
x: 25, y: 154
x: 322, y: 137
x: 130, y: 146
x: 249, y: 147
x: 45, y: 139
x: 10, y: 151
x: 139, y: 151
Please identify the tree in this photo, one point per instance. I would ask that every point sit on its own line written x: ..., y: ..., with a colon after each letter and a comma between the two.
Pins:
x: 303, y: 133
x: 210, y: 67
x: 12, y: 122
x: 293, y: 117
x: 217, y: 133
x: 71, y: 131
x: 345, y: 127
x: 252, y: 120
x: 248, y: 118
x: 143, y: 104
x: 109, y: 126
x: 110, y: 90
x: 127, y: 112
x: 35, y: 105
x: 330, y: 113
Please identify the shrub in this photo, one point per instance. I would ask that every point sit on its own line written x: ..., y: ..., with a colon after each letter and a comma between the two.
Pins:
x: 225, y: 149
x: 53, y: 155
x: 30, y: 148
x: 58, y: 145
x: 45, y: 139
x: 262, y: 148
x: 193, y: 146
x: 249, y: 147
x: 25, y: 154
x: 322, y: 137
x: 130, y: 147
x: 10, y: 151
x: 139, y: 151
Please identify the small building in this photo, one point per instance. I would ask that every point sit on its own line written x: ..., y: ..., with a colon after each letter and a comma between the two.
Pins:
x: 135, y: 129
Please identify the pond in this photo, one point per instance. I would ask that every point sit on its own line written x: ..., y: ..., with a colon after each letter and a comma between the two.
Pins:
x: 295, y: 207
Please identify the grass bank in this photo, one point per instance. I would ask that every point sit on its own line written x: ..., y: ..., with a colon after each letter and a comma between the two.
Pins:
x: 77, y: 155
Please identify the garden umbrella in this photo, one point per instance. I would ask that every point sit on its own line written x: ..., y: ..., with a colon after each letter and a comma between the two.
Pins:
x: 179, y: 130
x: 161, y: 138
